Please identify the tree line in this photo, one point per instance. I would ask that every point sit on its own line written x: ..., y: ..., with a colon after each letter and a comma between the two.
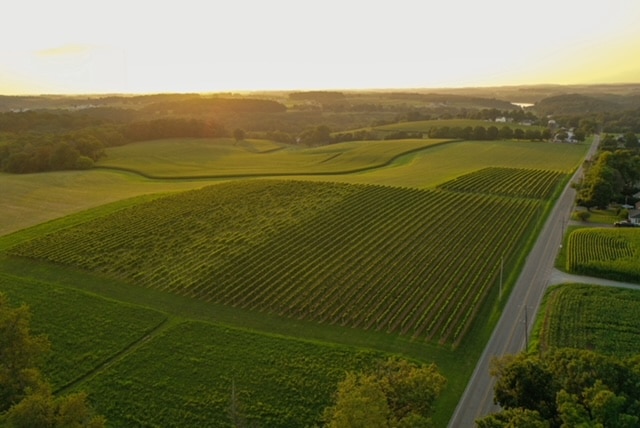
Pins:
x: 614, y: 174
x: 60, y: 149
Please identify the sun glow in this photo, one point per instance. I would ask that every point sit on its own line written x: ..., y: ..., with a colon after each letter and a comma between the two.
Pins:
x: 72, y: 47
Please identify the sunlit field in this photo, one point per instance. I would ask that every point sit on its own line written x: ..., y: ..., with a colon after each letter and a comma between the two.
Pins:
x: 190, y: 158
x: 34, y: 198
x: 402, y: 179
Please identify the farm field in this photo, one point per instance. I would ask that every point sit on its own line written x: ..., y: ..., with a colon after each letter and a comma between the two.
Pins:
x: 603, y: 319
x: 36, y: 198
x: 605, y: 252
x: 290, y: 247
x: 30, y: 199
x: 208, y: 158
x: 277, y: 256
x: 94, y: 331
x: 426, y: 125
x: 183, y: 372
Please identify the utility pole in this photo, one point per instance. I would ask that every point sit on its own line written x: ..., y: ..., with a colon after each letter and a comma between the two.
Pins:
x: 501, y: 272
x: 526, y: 330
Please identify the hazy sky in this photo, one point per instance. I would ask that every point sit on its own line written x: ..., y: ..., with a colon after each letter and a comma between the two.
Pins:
x: 86, y: 46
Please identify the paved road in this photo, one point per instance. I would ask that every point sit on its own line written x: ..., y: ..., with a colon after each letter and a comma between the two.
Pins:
x: 512, y: 331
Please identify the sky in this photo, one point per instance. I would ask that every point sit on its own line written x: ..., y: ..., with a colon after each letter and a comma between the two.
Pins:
x: 141, y: 46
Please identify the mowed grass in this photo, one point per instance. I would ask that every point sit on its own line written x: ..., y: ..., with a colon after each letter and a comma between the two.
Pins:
x: 227, y: 158
x: 429, y: 168
x: 30, y: 199
x: 603, y: 319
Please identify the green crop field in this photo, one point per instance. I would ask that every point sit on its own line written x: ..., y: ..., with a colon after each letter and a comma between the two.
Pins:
x: 275, y: 256
x: 84, y: 330
x: 32, y: 199
x: 226, y: 157
x: 288, y: 248
x: 182, y: 374
x: 603, y: 319
x: 188, y: 375
x: 507, y: 182
x: 605, y: 252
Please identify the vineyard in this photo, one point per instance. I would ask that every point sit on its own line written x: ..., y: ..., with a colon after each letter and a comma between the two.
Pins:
x: 409, y: 262
x: 605, y: 252
x: 592, y: 317
x: 524, y: 183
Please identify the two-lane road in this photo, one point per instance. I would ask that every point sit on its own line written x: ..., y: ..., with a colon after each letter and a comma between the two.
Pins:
x: 513, y: 328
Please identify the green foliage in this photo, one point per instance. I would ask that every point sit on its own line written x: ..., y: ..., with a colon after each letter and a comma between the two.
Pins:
x: 297, y: 237
x: 225, y: 158
x: 583, y: 215
x: 613, y: 175
x: 26, y: 399
x: 360, y: 403
x: 513, y: 418
x: 77, y: 347
x: 398, y: 394
x: 507, y: 182
x: 605, y: 252
x: 591, y: 317
x: 567, y: 387
x: 193, y: 373
x: 20, y: 354
x: 42, y: 409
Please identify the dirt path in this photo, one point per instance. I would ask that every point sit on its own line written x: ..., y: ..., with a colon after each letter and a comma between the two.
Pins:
x: 559, y: 277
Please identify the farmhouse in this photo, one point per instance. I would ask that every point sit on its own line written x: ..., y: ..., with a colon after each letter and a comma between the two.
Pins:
x: 634, y: 214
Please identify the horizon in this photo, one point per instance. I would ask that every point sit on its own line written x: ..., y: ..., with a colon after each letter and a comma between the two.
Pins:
x: 251, y: 46
x: 365, y: 90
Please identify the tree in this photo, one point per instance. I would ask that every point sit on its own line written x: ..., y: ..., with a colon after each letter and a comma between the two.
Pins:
x: 479, y: 133
x: 518, y: 134
x: 566, y: 388
x: 238, y: 134
x: 360, y: 402
x: 42, y: 409
x: 506, y: 133
x: 26, y: 399
x: 514, y: 418
x: 631, y: 140
x: 524, y: 382
x: 492, y: 133
x: 399, y: 393
x: 20, y: 353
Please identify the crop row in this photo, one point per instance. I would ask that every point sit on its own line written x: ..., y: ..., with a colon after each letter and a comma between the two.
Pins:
x: 405, y: 261
x: 604, y: 252
x: 526, y: 183
x: 592, y: 317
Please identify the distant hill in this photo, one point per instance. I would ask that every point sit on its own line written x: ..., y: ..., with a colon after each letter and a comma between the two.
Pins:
x: 570, y: 104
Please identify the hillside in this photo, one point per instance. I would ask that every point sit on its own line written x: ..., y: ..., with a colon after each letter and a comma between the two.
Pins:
x: 288, y: 248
